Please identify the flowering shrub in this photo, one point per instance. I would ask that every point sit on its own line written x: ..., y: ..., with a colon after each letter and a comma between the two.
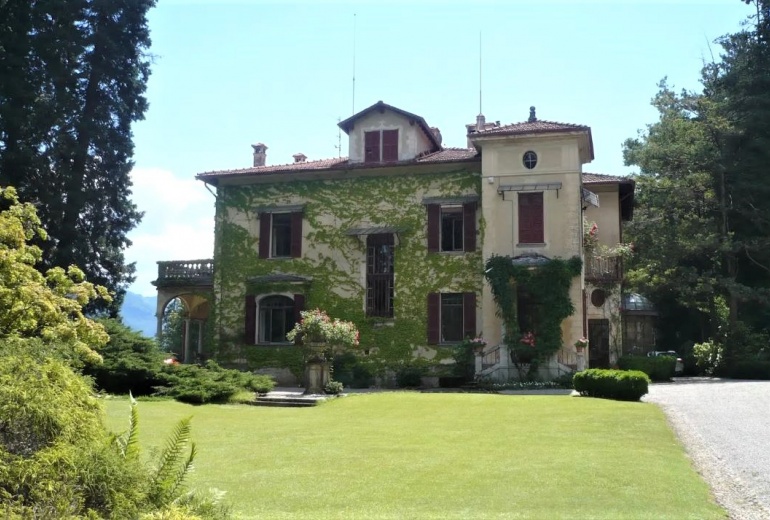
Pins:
x: 317, y: 327
x: 581, y: 343
x: 528, y: 338
x: 478, y: 341
x: 590, y: 235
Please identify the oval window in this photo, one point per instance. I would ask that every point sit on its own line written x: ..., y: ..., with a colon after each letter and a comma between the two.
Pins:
x: 529, y: 159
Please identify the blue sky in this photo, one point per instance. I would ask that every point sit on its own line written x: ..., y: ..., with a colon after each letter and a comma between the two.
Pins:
x: 229, y: 74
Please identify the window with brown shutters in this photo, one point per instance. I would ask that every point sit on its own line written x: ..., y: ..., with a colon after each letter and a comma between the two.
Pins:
x: 280, y: 235
x: 451, y: 228
x: 531, y: 218
x: 451, y: 317
x: 381, y: 146
x: 389, y: 145
x: 372, y: 147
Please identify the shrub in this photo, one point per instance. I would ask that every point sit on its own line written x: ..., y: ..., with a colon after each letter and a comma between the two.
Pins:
x: 708, y: 356
x: 659, y: 368
x: 750, y: 369
x: 348, y: 369
x: 409, y: 377
x: 132, y: 362
x: 210, y: 383
x: 333, y: 388
x: 623, y: 385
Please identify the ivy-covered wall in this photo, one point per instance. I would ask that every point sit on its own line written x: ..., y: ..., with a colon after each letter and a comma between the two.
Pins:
x: 336, y: 262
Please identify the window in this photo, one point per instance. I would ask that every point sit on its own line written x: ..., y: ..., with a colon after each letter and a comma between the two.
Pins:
x: 276, y: 319
x: 280, y: 235
x: 451, y: 227
x: 531, y: 218
x: 379, y: 275
x: 451, y: 317
x: 529, y: 159
x: 381, y: 146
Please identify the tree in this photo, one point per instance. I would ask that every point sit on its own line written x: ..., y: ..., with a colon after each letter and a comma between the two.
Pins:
x: 72, y: 81
x: 33, y: 305
x: 702, y: 230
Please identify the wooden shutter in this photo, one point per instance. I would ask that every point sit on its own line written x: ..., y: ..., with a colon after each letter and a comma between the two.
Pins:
x: 299, y: 305
x: 434, y: 227
x: 372, y: 147
x: 264, y: 235
x: 296, y: 235
x: 531, y: 218
x: 469, y: 315
x: 434, y: 318
x: 250, y: 332
x: 390, y: 145
x: 469, y: 226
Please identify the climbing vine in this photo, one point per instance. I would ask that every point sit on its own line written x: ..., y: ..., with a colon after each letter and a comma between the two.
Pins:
x: 545, y: 288
x: 335, y: 261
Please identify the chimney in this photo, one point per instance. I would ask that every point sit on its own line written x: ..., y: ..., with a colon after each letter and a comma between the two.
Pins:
x: 299, y: 157
x: 260, y: 154
x: 436, y: 133
x: 481, y: 123
x: 532, y: 117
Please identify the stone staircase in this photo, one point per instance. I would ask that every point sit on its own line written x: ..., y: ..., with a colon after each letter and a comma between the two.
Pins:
x: 289, y: 399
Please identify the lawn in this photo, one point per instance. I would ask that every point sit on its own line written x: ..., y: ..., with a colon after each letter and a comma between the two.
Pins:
x: 411, y: 455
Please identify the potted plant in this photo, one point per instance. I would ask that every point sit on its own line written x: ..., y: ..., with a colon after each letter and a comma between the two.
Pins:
x: 477, y: 344
x: 581, y: 344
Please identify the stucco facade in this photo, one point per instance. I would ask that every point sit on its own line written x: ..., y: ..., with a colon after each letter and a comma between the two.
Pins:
x: 309, y: 234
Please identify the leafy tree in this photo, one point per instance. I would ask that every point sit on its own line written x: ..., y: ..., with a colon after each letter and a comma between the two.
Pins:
x: 173, y: 327
x: 702, y: 230
x: 33, y: 305
x: 72, y: 81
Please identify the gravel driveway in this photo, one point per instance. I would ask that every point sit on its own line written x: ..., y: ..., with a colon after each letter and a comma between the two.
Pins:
x: 725, y: 427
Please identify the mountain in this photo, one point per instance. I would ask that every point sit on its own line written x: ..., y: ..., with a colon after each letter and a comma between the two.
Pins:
x: 138, y: 312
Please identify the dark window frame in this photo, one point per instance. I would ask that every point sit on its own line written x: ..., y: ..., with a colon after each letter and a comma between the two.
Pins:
x: 467, y: 320
x: 381, y: 146
x: 280, y: 235
x: 531, y: 217
x: 291, y: 242
x: 267, y: 306
x: 454, y: 216
x: 380, y: 275
x: 451, y: 318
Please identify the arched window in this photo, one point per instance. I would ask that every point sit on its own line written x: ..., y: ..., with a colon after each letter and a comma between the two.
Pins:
x: 276, y: 319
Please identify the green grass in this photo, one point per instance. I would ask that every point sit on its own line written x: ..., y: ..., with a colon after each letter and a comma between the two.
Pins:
x: 422, y: 456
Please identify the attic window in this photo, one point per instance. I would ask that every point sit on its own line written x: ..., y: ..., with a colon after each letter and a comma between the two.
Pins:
x: 381, y: 146
x: 529, y: 160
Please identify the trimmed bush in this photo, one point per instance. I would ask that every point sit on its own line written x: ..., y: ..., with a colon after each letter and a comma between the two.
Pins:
x: 210, y: 384
x: 409, y: 377
x: 659, y: 368
x: 622, y: 385
x: 349, y: 371
x: 333, y: 388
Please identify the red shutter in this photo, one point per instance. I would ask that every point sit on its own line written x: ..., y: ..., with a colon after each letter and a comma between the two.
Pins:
x: 390, y: 145
x: 299, y: 305
x: 469, y: 315
x: 296, y: 235
x: 469, y: 226
x: 250, y: 332
x: 264, y: 235
x: 434, y: 227
x: 434, y: 318
x: 531, y: 218
x: 372, y: 146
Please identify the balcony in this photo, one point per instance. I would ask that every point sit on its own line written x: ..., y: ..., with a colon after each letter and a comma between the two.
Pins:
x: 603, y: 268
x: 185, y: 272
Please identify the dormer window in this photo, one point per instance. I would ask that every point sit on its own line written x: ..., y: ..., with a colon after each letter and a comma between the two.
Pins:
x: 381, y: 146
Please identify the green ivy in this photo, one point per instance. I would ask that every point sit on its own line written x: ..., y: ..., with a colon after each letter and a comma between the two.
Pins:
x: 548, y: 284
x: 393, y: 201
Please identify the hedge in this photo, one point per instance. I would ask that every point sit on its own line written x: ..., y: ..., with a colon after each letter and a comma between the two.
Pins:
x: 750, y: 369
x: 659, y: 368
x: 623, y: 385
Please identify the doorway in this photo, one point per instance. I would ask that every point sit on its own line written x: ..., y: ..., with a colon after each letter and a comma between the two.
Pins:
x: 599, y: 343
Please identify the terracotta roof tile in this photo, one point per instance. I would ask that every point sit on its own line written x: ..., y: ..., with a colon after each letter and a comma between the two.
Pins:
x: 532, y: 127
x: 597, y: 178
x: 448, y: 155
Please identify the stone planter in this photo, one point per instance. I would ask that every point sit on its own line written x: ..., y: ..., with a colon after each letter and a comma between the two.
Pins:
x: 317, y: 368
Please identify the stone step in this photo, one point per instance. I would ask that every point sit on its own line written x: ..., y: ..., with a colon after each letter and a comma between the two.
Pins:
x: 287, y: 401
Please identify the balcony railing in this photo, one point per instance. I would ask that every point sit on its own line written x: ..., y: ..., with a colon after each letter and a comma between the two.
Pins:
x: 185, y: 272
x: 603, y: 268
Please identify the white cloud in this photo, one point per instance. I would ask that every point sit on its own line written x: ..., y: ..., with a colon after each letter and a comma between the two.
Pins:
x: 178, y: 223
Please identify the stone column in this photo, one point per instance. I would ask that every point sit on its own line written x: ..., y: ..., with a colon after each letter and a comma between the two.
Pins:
x: 200, y: 337
x: 186, y: 347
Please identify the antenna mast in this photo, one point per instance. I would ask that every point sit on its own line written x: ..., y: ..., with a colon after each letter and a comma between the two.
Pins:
x: 354, y: 63
x: 480, y: 72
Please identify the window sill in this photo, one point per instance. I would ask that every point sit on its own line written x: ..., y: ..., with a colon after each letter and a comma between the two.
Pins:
x: 286, y: 344
x: 279, y: 258
x: 452, y: 253
x: 450, y: 343
x: 541, y: 244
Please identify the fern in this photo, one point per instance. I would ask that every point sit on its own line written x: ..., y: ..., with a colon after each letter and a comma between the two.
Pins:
x: 128, y: 441
x: 173, y: 466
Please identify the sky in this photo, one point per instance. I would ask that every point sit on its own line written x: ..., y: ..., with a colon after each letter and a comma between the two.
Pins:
x: 227, y: 74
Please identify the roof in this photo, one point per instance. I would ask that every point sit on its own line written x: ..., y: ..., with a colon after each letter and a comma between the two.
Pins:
x: 342, y: 163
x: 381, y: 106
x: 533, y: 127
x: 601, y: 178
x: 636, y: 303
x: 626, y: 186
